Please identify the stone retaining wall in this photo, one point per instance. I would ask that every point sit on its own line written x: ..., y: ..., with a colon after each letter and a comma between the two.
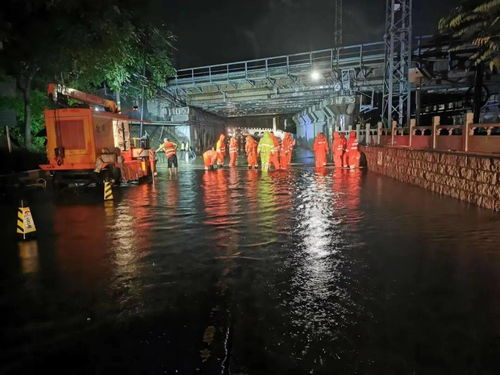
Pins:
x: 471, y: 178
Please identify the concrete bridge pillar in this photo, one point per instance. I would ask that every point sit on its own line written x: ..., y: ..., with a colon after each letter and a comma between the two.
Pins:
x: 305, y: 122
x: 344, y: 110
x: 330, y: 121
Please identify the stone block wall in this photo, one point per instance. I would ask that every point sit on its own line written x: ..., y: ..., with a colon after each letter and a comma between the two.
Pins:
x: 471, y: 178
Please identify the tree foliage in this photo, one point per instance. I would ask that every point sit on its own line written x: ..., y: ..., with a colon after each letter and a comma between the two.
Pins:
x: 83, y: 43
x: 39, y: 102
x: 476, y: 22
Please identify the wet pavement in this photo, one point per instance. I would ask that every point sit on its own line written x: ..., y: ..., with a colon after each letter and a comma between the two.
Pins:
x: 238, y: 272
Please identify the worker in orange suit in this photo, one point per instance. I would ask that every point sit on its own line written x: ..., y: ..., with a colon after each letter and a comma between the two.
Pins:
x: 220, y: 148
x: 233, y: 151
x: 339, y: 148
x: 320, y: 149
x: 352, y: 156
x: 251, y: 150
x: 171, y: 155
x: 274, y: 160
x: 286, y: 151
x: 209, y: 158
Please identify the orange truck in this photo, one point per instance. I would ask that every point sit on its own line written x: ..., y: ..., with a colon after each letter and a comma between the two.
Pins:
x: 91, y: 142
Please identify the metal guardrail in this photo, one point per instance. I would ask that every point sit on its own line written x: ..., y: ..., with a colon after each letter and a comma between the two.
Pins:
x: 287, y: 64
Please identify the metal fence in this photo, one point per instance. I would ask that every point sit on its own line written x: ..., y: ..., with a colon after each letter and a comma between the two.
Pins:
x: 358, y: 54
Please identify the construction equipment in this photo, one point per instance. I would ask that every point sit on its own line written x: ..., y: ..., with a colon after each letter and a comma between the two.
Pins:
x: 92, y: 142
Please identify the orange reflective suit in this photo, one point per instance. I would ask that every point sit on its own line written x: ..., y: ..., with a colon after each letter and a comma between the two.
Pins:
x: 352, y: 156
x: 274, y: 160
x: 251, y: 150
x: 320, y: 149
x: 209, y: 158
x: 220, y: 147
x: 233, y: 151
x: 286, y: 151
x: 169, y: 148
x: 339, y: 148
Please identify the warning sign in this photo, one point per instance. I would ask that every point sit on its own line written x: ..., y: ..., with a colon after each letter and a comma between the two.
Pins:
x: 25, y: 223
x: 29, y: 224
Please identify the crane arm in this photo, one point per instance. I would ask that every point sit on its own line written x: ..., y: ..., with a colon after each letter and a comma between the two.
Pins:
x: 54, y: 90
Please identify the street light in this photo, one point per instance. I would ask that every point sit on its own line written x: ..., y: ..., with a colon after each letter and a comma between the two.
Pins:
x: 315, y: 75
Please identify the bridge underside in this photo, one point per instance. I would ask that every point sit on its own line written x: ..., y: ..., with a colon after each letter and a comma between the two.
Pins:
x: 280, y: 85
x: 322, y: 90
x: 288, y: 85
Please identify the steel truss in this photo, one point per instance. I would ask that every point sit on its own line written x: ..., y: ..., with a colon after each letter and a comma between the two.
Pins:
x: 396, y: 90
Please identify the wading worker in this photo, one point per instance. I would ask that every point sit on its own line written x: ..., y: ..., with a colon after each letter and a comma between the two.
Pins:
x: 233, y: 151
x: 352, y: 156
x: 170, y: 153
x: 209, y: 158
x: 251, y: 150
x: 286, y: 151
x: 265, y: 148
x: 339, y: 148
x: 274, y: 160
x: 220, y: 147
x: 320, y: 148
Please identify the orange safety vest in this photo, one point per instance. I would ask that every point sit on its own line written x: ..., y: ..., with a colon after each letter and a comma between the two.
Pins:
x: 352, y: 145
x: 169, y: 148
x: 320, y: 145
x: 233, y: 145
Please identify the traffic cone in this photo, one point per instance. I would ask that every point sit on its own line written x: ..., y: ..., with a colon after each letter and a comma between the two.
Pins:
x: 108, y: 191
x: 25, y: 223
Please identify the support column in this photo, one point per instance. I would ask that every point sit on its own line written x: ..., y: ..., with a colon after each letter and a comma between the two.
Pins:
x: 345, y: 110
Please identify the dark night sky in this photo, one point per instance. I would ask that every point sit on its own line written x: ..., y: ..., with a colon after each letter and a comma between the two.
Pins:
x: 218, y: 31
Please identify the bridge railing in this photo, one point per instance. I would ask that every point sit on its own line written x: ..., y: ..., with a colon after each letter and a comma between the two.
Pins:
x: 322, y: 59
x: 285, y: 64
x: 467, y: 137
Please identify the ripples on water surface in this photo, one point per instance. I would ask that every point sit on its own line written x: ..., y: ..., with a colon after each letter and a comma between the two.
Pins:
x: 237, y: 272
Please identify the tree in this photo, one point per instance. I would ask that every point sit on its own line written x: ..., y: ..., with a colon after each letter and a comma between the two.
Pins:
x: 475, y: 22
x: 39, y: 102
x: 82, y: 42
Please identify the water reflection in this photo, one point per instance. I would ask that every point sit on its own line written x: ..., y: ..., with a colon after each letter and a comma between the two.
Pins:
x: 320, y: 300
x: 215, y: 198
x: 80, y: 235
x: 298, y: 271
x: 28, y: 254
x: 130, y: 241
x: 221, y: 203
x: 266, y: 218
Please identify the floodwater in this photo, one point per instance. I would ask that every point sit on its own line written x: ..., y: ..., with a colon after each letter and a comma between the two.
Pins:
x: 239, y: 272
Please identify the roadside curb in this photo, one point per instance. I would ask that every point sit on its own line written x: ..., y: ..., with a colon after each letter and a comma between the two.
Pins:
x: 24, y: 178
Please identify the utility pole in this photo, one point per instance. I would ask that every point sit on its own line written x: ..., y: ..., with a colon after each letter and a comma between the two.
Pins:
x: 396, y: 97
x: 337, y: 24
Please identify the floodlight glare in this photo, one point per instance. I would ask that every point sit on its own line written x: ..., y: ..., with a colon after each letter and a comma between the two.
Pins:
x: 315, y: 75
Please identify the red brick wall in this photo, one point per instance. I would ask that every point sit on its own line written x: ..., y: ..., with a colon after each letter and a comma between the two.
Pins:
x: 471, y: 178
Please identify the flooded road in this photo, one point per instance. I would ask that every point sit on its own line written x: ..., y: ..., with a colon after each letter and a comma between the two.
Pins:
x: 238, y: 272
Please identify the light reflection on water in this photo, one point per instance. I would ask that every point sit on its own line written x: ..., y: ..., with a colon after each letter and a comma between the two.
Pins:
x: 287, y: 272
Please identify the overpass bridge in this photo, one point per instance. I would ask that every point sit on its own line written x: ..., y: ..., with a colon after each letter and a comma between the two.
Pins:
x: 280, y: 84
x: 289, y: 84
x: 320, y: 89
